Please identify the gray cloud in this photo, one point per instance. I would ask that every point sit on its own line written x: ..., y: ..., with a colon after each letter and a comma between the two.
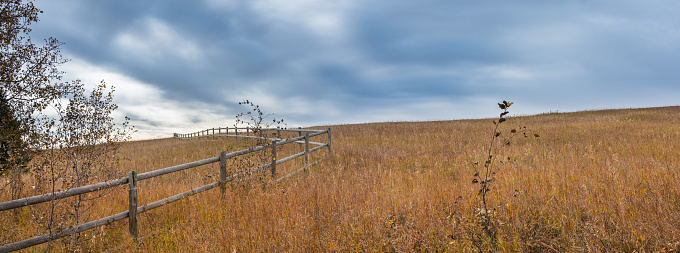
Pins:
x: 360, y: 61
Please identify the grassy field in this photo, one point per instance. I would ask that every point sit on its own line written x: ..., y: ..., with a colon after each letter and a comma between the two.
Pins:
x: 595, y: 181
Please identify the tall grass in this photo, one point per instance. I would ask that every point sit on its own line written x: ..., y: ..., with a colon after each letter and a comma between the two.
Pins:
x: 594, y: 181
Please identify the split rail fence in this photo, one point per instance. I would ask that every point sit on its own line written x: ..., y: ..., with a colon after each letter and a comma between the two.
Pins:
x: 133, y: 178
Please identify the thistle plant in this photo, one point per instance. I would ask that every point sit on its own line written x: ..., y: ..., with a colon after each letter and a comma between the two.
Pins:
x: 485, y: 175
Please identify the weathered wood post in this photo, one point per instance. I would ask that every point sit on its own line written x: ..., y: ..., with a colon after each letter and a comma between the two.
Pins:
x: 223, y: 172
x: 299, y: 144
x: 213, y: 134
x: 273, y: 159
x: 329, y: 140
x: 247, y: 131
x: 306, y: 151
x: 278, y: 133
x: 236, y: 131
x: 132, y: 201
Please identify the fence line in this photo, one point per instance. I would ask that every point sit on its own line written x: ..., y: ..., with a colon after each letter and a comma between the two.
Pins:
x: 133, y: 178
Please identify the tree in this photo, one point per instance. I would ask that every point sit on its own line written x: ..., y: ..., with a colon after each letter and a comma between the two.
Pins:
x: 12, y: 147
x: 77, y: 146
x: 80, y: 148
x: 28, y: 84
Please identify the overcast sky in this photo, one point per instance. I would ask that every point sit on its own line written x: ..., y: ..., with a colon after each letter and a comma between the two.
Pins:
x: 182, y: 66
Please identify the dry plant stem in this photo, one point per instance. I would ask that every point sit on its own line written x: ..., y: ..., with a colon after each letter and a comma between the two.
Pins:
x: 256, y: 119
x: 489, y: 174
x: 488, y: 165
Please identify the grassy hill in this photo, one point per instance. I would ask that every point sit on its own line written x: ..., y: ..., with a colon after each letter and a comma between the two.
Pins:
x: 594, y: 181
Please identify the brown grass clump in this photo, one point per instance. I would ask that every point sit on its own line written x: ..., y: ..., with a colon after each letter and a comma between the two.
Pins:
x: 597, y: 181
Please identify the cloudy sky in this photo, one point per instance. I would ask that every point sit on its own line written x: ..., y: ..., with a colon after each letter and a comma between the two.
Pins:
x: 181, y: 66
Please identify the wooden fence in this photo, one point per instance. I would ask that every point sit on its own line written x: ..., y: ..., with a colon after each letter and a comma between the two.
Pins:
x: 133, y: 178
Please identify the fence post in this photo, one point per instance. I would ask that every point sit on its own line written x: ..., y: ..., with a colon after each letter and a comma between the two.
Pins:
x: 132, y: 201
x: 273, y: 159
x: 300, y: 144
x: 223, y: 171
x: 306, y: 151
x: 278, y: 133
x: 236, y: 131
x: 247, y: 131
x: 329, y: 140
x: 213, y: 135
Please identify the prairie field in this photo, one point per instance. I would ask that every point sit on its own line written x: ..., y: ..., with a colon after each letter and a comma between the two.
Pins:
x: 594, y: 181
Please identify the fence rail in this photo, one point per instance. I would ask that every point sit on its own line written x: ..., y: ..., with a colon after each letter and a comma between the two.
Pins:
x: 133, y: 178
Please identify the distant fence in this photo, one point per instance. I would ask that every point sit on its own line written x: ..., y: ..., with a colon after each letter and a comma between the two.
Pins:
x: 133, y: 178
x: 245, y: 132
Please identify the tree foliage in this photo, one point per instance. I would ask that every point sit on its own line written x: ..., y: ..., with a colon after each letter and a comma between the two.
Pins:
x: 12, y: 148
x: 59, y: 133
x: 29, y: 83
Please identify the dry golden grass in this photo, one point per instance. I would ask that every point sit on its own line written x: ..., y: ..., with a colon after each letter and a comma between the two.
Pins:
x: 595, y: 181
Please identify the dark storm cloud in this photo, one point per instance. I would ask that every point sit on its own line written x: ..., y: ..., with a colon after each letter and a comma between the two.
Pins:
x: 405, y: 32
x: 370, y: 58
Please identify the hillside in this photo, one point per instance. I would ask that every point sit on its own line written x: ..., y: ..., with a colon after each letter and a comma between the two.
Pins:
x: 594, y: 181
